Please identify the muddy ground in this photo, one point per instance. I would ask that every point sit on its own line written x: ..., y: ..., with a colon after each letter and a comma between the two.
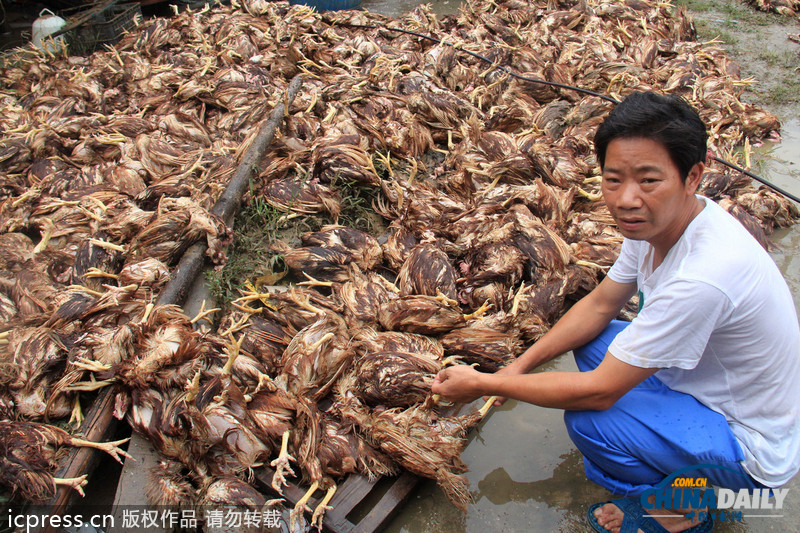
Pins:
x: 525, y: 473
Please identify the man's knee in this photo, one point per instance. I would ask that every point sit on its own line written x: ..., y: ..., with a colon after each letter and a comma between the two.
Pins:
x: 581, y: 428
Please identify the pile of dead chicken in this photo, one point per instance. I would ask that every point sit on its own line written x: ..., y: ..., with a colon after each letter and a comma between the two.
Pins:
x: 109, y: 165
x: 789, y: 8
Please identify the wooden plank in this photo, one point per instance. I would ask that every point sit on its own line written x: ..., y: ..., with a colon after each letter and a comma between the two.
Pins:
x: 131, y: 488
x: 388, y: 505
x: 99, y: 425
x: 350, y: 493
x: 291, y: 492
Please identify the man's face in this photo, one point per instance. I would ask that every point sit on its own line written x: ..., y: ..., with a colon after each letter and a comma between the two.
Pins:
x: 644, y: 191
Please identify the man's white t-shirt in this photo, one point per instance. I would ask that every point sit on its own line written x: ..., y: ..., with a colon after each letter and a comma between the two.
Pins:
x: 718, y: 318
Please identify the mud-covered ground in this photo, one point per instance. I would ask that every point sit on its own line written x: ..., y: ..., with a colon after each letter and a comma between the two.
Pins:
x: 525, y: 473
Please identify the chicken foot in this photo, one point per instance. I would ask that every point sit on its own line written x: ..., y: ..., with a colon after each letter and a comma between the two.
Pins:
x: 488, y: 405
x: 48, y: 232
x: 76, y: 483
x: 319, y: 511
x: 111, y: 448
x: 90, y: 365
x: 203, y: 313
x: 325, y: 338
x: 517, y: 298
x: 314, y: 282
x: 76, y: 415
x: 95, y: 272
x: 107, y: 245
x: 89, y: 386
x: 479, y: 312
x: 301, y: 506
x: 232, y: 349
x: 303, y: 302
x: 445, y: 300
x: 282, y: 465
x: 581, y: 262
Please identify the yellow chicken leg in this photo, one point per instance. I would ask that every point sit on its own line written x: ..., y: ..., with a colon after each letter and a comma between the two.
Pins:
x: 282, y: 465
x: 111, y: 448
x: 76, y: 483
x: 48, y: 232
x: 301, y: 506
x: 76, y: 416
x: 94, y: 272
x: 488, y: 405
x: 314, y: 282
x: 479, y: 312
x: 203, y: 312
x: 319, y: 512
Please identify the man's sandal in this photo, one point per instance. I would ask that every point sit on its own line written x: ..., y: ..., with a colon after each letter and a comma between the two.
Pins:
x: 636, y: 519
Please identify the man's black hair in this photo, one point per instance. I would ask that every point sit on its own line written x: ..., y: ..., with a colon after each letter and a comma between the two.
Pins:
x: 667, y: 119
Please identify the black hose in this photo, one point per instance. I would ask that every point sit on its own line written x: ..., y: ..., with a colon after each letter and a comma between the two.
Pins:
x: 562, y: 86
x: 757, y: 178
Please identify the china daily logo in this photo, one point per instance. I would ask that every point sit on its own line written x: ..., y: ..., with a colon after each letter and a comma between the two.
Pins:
x: 679, y: 491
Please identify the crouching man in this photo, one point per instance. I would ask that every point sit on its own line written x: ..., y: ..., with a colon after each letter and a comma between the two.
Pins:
x: 705, y: 377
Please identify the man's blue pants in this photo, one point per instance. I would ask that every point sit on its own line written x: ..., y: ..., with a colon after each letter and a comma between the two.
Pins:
x: 651, y: 432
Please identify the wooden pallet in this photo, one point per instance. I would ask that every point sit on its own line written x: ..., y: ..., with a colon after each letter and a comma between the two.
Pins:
x: 359, y: 505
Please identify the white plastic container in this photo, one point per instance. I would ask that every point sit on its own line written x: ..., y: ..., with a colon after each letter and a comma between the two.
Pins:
x: 47, y: 23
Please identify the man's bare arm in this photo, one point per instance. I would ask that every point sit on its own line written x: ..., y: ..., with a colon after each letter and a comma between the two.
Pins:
x: 582, y: 323
x: 597, y: 389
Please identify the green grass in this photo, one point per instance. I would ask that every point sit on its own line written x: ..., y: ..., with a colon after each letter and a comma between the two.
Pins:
x: 731, y: 13
x: 787, y: 92
x: 258, y: 225
x: 251, y: 255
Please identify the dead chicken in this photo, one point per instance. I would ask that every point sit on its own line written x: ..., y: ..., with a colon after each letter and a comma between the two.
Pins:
x: 546, y: 250
x: 28, y: 456
x: 488, y: 348
x: 770, y: 208
x: 488, y: 272
x: 395, y: 369
x: 165, y: 351
x: 327, y: 253
x: 124, y: 220
x: 149, y: 273
x: 264, y: 338
x: 536, y: 307
x: 715, y: 184
x: 343, y: 159
x: 169, y: 484
x: 428, y: 272
x: 293, y: 195
x: 416, y: 438
x: 163, y: 419
x: 297, y: 307
x: 15, y: 250
x: 222, y: 426
x: 427, y: 315
x: 33, y: 290
x: 315, y: 357
x: 40, y: 355
x: 329, y: 449
x: 96, y: 262
x: 398, y: 246
x: 361, y: 295
x: 179, y: 223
